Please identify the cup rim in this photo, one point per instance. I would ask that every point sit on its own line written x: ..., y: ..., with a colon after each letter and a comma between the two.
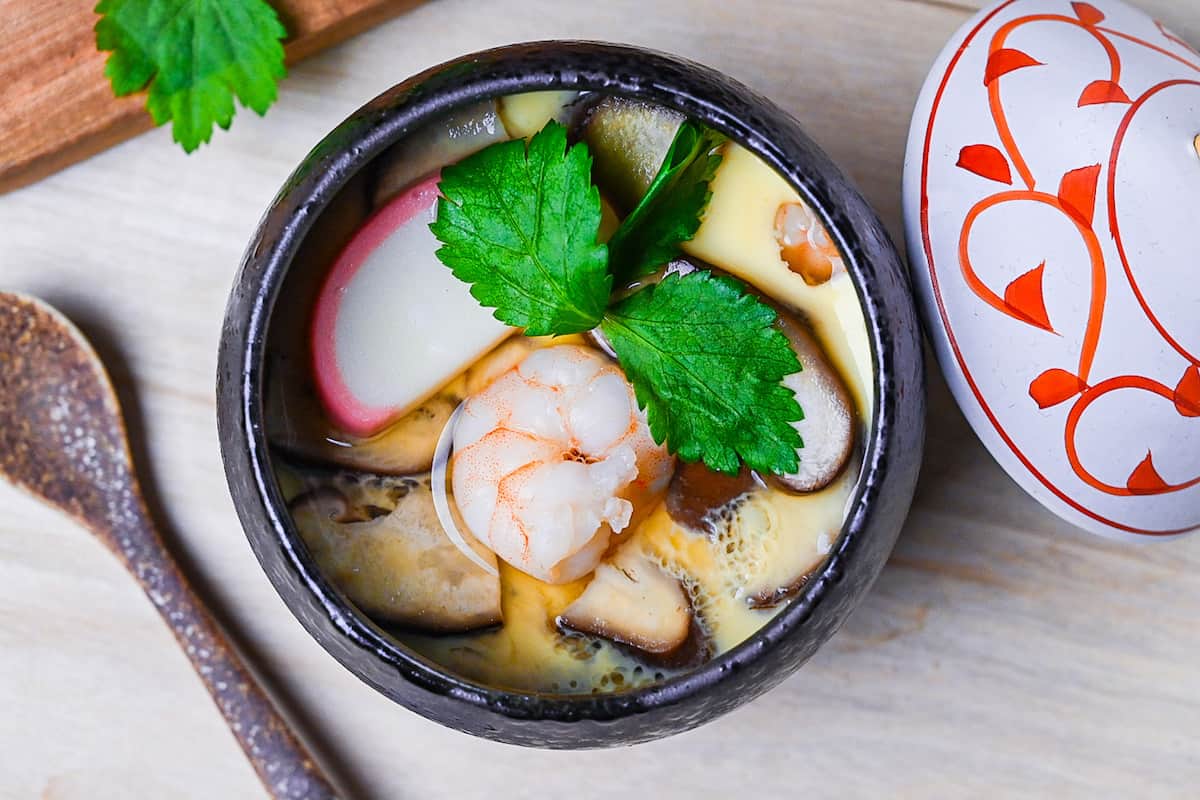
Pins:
x: 766, y: 131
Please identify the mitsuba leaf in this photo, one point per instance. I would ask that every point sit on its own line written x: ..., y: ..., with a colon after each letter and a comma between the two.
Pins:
x: 673, y: 207
x: 520, y: 224
x: 706, y: 361
x: 194, y: 57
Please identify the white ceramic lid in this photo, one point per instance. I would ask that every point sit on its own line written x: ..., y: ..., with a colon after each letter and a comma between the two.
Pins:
x: 1052, y: 204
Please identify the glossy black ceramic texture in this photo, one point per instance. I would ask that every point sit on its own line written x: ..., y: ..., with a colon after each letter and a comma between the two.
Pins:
x: 893, y: 443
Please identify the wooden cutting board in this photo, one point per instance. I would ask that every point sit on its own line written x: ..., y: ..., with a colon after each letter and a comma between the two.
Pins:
x: 56, y: 106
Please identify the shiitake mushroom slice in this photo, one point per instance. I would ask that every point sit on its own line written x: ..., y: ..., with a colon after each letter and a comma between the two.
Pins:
x: 768, y: 550
x: 828, y: 427
x: 697, y: 493
x: 378, y: 539
x: 771, y: 598
x: 631, y: 601
x: 769, y: 592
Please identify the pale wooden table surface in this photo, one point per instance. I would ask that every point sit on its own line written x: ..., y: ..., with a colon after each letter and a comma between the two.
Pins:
x: 1001, y: 653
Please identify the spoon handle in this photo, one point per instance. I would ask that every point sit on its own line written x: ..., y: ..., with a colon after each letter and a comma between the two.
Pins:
x: 283, y: 764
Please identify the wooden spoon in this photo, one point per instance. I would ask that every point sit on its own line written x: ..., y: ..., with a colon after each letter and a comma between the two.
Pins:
x: 63, y: 440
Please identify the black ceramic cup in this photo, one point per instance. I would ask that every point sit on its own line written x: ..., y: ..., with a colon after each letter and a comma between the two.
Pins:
x: 893, y: 443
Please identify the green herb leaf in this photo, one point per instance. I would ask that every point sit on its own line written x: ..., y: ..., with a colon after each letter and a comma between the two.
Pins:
x: 520, y: 226
x: 520, y: 223
x: 195, y: 56
x: 706, y: 363
x: 672, y: 208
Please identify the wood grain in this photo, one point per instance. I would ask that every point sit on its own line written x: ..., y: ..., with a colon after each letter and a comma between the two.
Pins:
x: 1001, y: 654
x: 56, y: 106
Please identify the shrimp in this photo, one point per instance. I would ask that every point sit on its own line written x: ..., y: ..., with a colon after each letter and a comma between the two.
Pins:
x: 805, y: 244
x: 551, y: 459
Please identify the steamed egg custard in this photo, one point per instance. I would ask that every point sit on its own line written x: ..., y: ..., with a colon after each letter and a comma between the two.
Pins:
x: 567, y: 393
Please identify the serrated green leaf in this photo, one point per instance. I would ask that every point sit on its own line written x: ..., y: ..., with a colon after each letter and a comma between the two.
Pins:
x: 520, y: 224
x: 706, y: 363
x: 671, y: 210
x: 194, y: 57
